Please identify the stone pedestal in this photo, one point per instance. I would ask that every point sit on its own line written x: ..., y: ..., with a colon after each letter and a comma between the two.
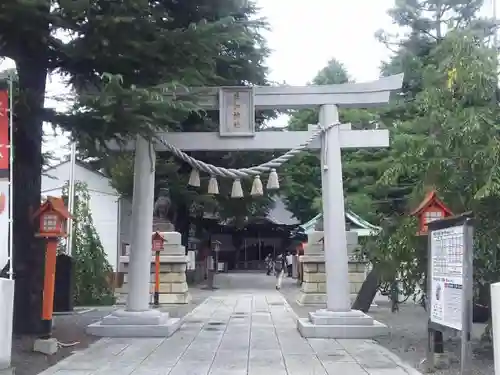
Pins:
x: 352, y: 324
x: 313, y: 288
x: 124, y: 323
x: 332, y: 324
x: 173, y: 264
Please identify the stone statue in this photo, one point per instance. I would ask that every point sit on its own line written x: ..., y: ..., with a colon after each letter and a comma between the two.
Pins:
x: 161, y: 222
x: 162, y: 204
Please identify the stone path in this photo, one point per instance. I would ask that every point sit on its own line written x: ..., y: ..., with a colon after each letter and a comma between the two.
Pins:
x: 234, y: 333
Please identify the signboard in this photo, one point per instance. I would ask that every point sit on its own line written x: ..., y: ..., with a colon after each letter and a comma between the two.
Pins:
x: 4, y: 134
x: 236, y: 112
x: 447, y: 276
x: 450, y: 282
x: 4, y: 222
x: 5, y: 229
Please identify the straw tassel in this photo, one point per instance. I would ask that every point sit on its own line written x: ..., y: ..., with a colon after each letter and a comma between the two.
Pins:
x: 257, y: 188
x: 273, y: 183
x: 194, y: 178
x: 237, y: 191
x: 213, y: 186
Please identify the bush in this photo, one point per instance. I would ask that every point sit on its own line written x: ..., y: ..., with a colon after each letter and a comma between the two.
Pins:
x: 92, y: 271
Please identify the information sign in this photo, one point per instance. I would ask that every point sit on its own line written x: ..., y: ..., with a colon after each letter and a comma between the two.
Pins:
x: 449, y: 283
x: 447, y: 271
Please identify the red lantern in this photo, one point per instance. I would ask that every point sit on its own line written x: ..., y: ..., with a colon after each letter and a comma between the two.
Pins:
x: 431, y: 208
x: 52, y: 216
x: 157, y: 247
x: 157, y: 242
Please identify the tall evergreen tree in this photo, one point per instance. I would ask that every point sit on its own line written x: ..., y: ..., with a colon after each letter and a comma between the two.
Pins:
x: 140, y: 44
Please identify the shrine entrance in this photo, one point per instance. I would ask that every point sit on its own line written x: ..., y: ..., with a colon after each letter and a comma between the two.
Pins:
x: 237, y: 106
x: 246, y: 248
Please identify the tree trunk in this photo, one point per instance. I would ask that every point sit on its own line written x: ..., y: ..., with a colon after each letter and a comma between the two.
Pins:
x: 368, y: 291
x: 27, y: 143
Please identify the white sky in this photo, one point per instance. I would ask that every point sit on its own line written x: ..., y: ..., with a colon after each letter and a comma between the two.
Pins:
x: 304, y: 36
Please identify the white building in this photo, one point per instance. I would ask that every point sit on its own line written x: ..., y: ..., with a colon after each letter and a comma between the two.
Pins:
x: 105, y: 203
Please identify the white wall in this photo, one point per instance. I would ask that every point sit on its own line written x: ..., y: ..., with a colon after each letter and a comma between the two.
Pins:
x: 103, y: 203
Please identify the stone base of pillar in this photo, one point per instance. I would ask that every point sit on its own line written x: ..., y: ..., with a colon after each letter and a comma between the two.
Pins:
x: 122, y: 323
x: 173, y: 263
x: 352, y: 324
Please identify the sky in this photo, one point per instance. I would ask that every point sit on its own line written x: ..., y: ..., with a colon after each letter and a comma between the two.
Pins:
x: 304, y: 36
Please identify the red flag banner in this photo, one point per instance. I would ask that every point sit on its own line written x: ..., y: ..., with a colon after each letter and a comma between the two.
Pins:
x: 4, y: 134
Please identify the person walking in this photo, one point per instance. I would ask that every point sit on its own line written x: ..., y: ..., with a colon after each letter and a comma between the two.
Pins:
x: 289, y: 263
x: 279, y: 269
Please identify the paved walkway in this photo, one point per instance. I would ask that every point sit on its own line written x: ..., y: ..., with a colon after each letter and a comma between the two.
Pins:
x: 234, y: 332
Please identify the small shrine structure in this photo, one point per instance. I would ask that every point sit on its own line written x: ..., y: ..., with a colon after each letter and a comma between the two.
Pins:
x: 430, y: 209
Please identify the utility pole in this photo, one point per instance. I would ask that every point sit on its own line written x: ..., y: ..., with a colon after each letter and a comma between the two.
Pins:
x: 71, y: 198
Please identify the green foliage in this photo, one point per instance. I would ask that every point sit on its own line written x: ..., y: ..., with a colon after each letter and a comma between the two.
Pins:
x: 92, y: 272
x: 445, y: 133
x: 403, y: 256
x: 236, y: 58
x: 122, y: 59
x: 444, y: 136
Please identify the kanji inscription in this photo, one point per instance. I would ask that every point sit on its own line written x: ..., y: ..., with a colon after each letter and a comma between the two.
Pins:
x: 237, y: 112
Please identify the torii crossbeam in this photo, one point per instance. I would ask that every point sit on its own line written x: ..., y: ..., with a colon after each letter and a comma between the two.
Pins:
x: 237, y: 107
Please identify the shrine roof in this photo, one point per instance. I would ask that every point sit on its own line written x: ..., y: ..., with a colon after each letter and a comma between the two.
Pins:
x: 55, y: 203
x: 430, y: 198
x: 358, y: 224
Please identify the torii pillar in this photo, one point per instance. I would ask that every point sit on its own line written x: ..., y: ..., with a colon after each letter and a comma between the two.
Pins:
x: 237, y: 107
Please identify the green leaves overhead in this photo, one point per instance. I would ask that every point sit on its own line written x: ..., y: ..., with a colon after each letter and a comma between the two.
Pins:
x: 181, y: 45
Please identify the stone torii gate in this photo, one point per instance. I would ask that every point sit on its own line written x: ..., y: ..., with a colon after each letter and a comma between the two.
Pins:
x: 237, y: 132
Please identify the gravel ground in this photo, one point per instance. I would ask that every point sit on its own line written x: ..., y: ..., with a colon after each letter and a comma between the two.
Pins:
x: 71, y: 328
x: 408, y: 335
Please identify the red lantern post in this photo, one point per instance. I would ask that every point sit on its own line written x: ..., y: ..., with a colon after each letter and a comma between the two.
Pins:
x: 157, y: 247
x: 52, y: 216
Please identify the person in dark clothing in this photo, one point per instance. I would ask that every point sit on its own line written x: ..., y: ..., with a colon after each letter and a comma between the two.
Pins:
x: 289, y: 263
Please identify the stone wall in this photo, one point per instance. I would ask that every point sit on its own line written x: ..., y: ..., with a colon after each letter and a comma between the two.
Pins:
x: 173, y: 264
x: 313, y: 288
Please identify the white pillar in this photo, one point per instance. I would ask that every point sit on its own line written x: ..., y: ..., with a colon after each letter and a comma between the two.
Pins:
x: 137, y: 319
x: 6, y: 314
x: 141, y: 227
x: 495, y: 314
x: 335, y: 242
